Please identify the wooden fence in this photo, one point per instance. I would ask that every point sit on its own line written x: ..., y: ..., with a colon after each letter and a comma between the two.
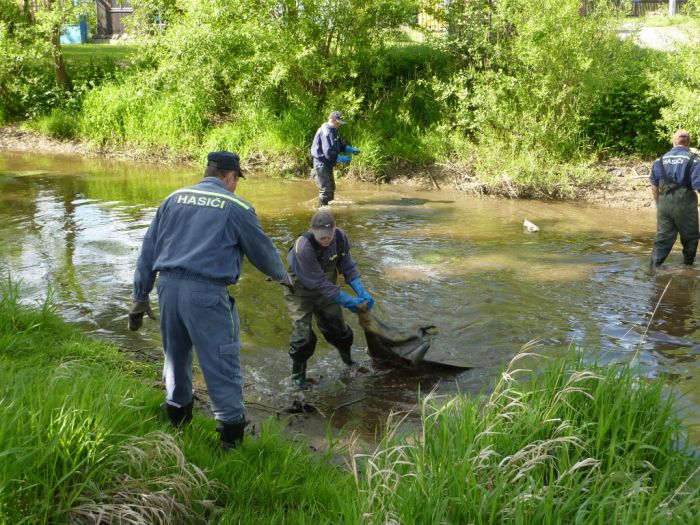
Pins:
x: 643, y: 7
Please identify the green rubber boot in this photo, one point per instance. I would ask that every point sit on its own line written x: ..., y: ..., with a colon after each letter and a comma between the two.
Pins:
x: 299, y: 374
x: 345, y: 356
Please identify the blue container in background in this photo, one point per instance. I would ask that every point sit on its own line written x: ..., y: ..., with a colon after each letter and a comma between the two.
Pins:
x: 75, y: 33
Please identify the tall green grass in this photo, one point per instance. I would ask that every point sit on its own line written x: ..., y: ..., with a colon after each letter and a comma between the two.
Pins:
x: 82, y: 441
x: 574, y: 443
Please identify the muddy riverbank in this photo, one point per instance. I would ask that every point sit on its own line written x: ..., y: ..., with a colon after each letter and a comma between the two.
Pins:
x: 626, y: 183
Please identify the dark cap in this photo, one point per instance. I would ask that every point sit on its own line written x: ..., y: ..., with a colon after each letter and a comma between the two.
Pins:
x: 225, y: 160
x: 322, y: 224
x: 337, y: 116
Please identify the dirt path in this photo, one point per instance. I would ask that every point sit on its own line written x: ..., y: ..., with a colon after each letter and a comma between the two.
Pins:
x: 661, y: 38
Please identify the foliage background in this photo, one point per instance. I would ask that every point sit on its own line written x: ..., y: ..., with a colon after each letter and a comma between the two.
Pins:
x: 520, y: 94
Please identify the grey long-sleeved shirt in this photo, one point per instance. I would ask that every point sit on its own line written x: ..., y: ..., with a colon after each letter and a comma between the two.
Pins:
x: 309, y: 270
x: 205, y: 230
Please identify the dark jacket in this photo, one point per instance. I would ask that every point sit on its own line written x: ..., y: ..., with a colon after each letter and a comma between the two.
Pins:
x: 681, y: 167
x: 327, y: 145
x: 306, y: 268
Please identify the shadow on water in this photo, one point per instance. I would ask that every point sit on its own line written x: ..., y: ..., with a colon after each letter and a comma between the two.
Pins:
x: 428, y: 257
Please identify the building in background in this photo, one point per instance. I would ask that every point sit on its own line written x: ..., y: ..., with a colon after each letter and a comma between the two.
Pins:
x: 110, y: 17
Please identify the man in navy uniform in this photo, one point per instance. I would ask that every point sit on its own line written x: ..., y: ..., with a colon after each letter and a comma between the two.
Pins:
x: 196, y: 243
x: 326, y: 151
x: 675, y: 178
x: 315, y: 260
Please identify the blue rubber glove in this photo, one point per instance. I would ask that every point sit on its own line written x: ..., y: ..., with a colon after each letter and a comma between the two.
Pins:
x: 344, y: 158
x: 350, y: 149
x: 349, y: 302
x: 356, y: 285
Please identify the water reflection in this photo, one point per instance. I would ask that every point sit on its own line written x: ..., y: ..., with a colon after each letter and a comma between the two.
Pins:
x: 437, y: 257
x: 675, y: 325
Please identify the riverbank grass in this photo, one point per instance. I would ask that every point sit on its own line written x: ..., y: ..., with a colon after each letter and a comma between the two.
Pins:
x: 82, y: 440
x: 567, y: 442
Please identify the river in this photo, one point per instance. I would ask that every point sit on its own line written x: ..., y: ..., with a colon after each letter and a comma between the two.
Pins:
x: 440, y: 258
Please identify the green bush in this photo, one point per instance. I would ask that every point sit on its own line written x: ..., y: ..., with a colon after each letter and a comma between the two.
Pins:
x: 59, y: 123
x: 679, y: 83
x: 624, y: 119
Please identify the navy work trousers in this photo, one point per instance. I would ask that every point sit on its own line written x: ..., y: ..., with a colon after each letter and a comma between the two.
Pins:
x: 676, y: 212
x: 201, y: 313
x: 325, y: 181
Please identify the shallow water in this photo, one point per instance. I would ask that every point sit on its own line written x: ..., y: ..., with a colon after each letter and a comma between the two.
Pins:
x: 463, y: 264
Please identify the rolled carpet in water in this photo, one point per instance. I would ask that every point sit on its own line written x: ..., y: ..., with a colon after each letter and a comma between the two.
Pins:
x: 396, y: 346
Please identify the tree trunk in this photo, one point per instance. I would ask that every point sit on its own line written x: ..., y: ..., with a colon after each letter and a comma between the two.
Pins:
x: 59, y: 66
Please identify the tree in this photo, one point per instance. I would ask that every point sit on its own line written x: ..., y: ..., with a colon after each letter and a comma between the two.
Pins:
x: 49, y: 17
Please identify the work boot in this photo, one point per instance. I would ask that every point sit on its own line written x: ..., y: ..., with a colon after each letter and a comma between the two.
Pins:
x: 653, y: 267
x: 345, y: 356
x: 231, y: 434
x: 299, y: 374
x: 179, y: 416
x: 322, y: 202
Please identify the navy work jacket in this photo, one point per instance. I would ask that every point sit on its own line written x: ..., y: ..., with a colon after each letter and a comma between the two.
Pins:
x: 681, y: 166
x: 327, y: 145
x: 204, y: 230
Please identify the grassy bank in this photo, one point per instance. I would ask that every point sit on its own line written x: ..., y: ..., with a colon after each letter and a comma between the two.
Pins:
x: 82, y: 441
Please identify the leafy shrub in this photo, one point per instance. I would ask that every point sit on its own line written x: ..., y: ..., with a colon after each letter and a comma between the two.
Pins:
x: 623, y: 120
x: 59, y: 123
x: 680, y: 84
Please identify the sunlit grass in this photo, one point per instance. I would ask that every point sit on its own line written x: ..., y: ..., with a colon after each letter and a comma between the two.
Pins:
x: 81, y: 55
x: 557, y: 441
x: 568, y: 442
x: 82, y: 441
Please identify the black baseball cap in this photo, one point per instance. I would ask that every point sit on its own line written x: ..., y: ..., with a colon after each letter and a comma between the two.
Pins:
x: 225, y: 160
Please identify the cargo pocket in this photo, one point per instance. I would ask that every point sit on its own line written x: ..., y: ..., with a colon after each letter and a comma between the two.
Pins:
x: 229, y: 359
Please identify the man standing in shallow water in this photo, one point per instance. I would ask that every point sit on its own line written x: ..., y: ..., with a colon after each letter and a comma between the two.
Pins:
x: 675, y: 178
x: 196, y: 243
x: 326, y: 151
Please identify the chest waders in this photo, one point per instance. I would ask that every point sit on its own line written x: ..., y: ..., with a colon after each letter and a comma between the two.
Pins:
x: 676, y: 212
x: 304, y: 304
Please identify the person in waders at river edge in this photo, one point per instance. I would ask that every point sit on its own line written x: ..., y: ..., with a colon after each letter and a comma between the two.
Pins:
x: 196, y: 243
x: 675, y: 178
x: 315, y: 260
x: 326, y: 151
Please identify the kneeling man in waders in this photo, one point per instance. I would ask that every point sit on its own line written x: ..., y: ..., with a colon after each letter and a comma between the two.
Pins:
x: 315, y: 260
x: 675, y: 178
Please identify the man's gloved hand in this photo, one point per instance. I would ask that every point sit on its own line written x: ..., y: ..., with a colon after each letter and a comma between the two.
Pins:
x: 138, y: 309
x: 345, y: 159
x: 350, y: 149
x: 356, y: 285
x: 287, y: 282
x: 349, y: 302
